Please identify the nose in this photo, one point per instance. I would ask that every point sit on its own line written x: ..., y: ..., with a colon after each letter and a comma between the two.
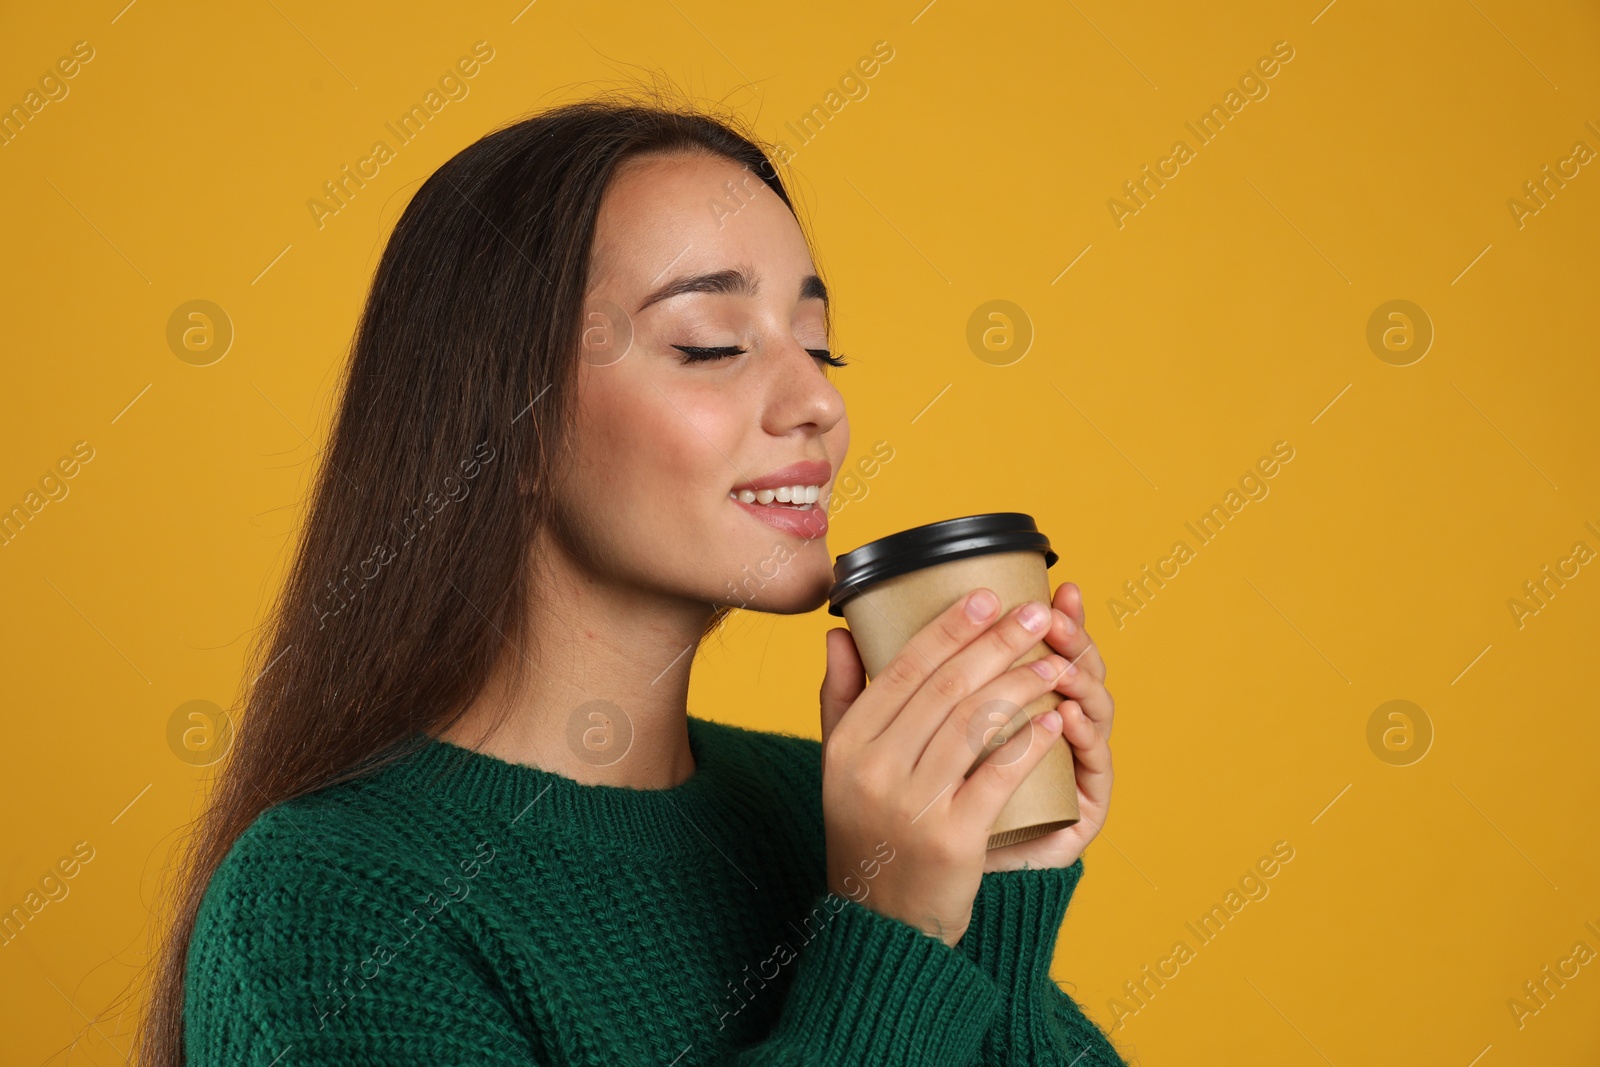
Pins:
x: 799, y: 394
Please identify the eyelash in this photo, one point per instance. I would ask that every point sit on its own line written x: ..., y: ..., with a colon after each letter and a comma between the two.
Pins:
x: 704, y: 355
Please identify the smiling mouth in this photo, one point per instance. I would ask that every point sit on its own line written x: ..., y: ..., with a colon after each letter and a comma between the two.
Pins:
x: 793, y: 498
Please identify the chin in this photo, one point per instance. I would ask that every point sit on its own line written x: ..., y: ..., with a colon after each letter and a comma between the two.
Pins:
x: 799, y: 586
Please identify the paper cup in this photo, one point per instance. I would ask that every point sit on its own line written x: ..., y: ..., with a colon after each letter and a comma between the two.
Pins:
x: 889, y: 589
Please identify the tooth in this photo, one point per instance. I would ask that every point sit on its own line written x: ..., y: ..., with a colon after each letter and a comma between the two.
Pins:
x: 765, y: 495
x: 797, y: 493
x: 747, y: 496
x: 811, y: 493
x: 785, y: 494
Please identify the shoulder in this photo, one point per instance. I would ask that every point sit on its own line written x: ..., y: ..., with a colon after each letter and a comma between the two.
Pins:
x: 319, y: 861
x: 316, y: 838
x: 315, y: 900
x: 330, y: 855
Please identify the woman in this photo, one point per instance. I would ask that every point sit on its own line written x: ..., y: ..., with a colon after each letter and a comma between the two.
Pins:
x: 468, y: 818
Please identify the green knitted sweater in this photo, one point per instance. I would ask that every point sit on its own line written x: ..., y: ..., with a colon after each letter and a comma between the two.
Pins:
x: 454, y: 908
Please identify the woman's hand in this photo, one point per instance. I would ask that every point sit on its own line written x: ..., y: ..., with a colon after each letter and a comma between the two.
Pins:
x: 896, y: 801
x: 1087, y: 715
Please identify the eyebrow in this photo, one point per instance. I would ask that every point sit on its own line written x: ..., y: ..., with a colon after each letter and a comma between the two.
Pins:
x: 733, y: 281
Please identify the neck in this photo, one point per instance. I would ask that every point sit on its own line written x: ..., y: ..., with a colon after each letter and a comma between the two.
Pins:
x: 603, y: 691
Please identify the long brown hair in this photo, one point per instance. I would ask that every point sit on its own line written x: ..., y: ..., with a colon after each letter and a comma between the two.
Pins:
x: 412, y: 574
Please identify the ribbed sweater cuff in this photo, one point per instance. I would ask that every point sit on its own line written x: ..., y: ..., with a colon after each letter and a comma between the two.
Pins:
x: 872, y: 989
x: 1015, y: 920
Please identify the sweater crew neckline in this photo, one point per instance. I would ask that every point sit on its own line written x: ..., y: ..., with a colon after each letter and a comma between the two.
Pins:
x: 529, y: 797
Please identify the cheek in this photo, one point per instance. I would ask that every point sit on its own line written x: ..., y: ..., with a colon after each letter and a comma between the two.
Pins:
x: 655, y: 440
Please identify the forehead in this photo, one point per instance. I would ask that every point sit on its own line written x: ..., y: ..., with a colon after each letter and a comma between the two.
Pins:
x: 691, y: 211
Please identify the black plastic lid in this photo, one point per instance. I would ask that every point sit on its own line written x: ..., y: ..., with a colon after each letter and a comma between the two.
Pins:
x: 937, y: 542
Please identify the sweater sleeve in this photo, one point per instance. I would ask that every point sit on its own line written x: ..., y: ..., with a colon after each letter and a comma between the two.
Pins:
x: 870, y: 989
x: 297, y: 960
x: 1015, y: 922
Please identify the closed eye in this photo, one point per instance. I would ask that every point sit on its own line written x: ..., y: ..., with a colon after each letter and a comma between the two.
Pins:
x: 696, y: 354
x: 693, y: 354
x: 828, y: 357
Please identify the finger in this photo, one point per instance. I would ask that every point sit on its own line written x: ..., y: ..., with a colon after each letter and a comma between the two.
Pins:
x: 1093, y: 697
x: 1069, y: 598
x: 1078, y: 729
x: 1078, y: 647
x: 923, y: 654
x: 974, y: 729
x: 978, y: 801
x: 843, y: 680
x: 1067, y: 634
x: 953, y: 691
x: 1090, y: 752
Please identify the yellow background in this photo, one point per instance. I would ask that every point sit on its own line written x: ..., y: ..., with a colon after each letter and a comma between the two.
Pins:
x: 1229, y: 313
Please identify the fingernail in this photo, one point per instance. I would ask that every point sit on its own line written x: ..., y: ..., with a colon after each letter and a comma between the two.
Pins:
x: 1066, y: 621
x: 981, y: 605
x: 1046, y: 667
x: 1033, y: 616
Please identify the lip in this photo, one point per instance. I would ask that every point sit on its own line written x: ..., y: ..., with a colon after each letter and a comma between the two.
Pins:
x: 807, y: 472
x: 807, y: 524
x: 810, y: 524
